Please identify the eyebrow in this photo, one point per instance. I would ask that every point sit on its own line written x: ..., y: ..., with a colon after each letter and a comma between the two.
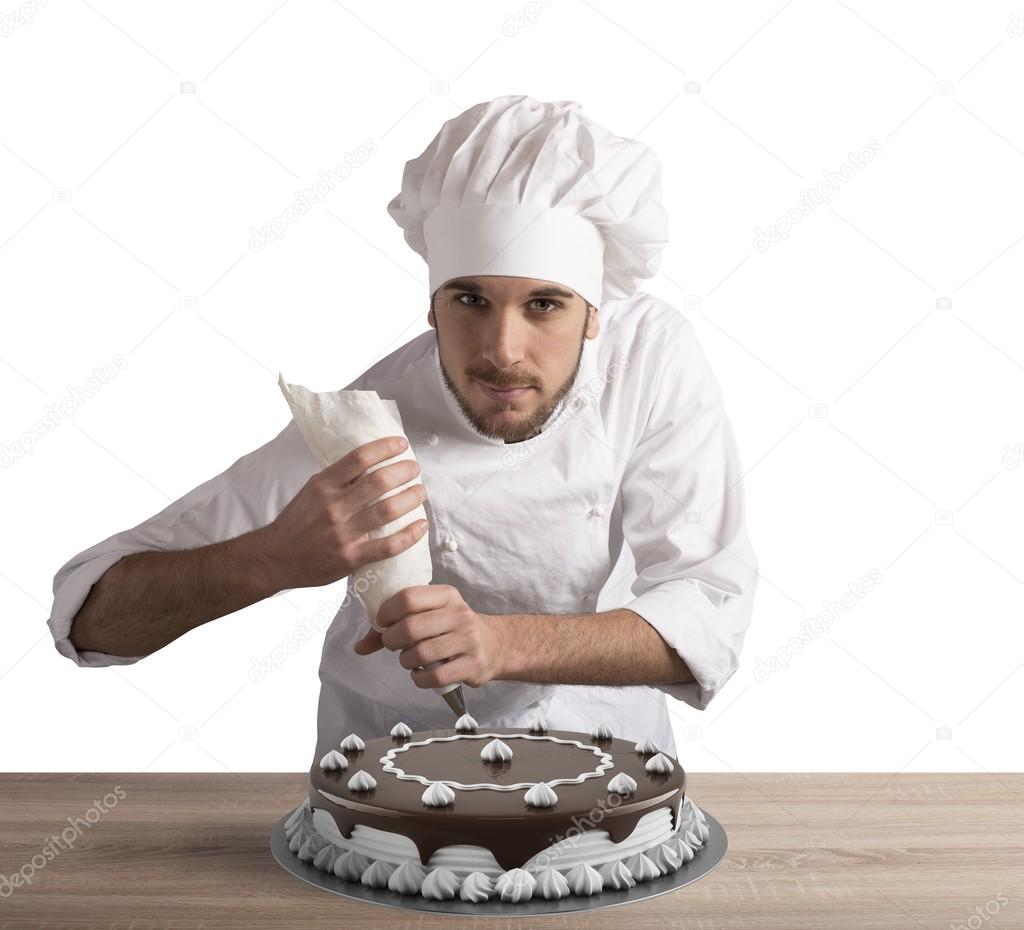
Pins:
x: 548, y: 290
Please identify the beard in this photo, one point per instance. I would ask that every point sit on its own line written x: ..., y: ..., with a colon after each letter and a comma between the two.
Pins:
x: 510, y: 431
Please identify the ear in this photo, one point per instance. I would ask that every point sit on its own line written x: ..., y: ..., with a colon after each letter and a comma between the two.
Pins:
x: 593, y: 323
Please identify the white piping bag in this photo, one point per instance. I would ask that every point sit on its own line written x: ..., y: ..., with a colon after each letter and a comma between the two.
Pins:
x: 333, y: 423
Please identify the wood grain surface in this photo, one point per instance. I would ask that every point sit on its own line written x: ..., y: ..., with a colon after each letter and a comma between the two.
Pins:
x: 177, y: 851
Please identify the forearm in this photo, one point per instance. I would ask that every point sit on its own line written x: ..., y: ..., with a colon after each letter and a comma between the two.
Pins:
x: 615, y: 647
x: 149, y: 599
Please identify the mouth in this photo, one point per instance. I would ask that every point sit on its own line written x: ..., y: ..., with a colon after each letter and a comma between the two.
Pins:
x: 504, y: 394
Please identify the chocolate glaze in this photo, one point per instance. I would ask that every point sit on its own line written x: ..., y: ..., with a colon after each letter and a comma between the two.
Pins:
x: 500, y: 821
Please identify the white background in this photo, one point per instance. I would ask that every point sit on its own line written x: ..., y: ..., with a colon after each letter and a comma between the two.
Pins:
x: 872, y: 361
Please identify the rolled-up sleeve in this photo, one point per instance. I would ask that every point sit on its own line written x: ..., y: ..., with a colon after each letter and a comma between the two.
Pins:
x: 683, y: 513
x: 247, y: 495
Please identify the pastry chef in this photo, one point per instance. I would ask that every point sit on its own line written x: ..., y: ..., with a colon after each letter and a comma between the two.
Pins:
x: 584, y: 496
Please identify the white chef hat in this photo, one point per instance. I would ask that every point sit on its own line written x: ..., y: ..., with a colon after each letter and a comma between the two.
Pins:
x: 515, y: 186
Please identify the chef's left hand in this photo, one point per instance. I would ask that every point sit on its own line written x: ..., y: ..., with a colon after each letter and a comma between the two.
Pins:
x: 432, y: 623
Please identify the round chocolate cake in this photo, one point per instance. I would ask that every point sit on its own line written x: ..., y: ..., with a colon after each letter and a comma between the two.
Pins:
x: 479, y: 813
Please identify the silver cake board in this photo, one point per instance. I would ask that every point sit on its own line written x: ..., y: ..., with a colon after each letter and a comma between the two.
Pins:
x: 707, y: 857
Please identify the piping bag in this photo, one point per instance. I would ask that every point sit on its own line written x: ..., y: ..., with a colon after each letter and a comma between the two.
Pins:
x: 334, y: 423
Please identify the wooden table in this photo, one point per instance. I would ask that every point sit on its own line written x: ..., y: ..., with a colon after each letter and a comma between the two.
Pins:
x: 176, y: 851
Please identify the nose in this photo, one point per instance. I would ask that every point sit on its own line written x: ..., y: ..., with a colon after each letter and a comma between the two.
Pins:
x: 505, y: 339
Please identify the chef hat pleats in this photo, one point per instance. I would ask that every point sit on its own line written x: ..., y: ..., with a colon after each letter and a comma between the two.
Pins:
x: 515, y: 186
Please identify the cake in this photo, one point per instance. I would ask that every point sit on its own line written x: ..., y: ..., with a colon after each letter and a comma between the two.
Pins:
x: 476, y: 813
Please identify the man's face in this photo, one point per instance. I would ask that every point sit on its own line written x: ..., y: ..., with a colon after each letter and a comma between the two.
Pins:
x: 509, y: 332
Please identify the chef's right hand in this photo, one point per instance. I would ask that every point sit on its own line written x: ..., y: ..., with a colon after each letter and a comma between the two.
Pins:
x: 322, y: 536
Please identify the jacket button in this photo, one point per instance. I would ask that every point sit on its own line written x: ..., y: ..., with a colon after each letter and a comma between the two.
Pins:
x: 597, y: 511
x: 433, y: 439
x: 450, y: 544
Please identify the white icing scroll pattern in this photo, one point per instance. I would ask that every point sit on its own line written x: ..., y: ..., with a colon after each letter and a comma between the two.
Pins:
x: 387, y: 761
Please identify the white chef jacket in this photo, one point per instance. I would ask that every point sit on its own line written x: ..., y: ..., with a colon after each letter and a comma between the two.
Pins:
x: 629, y: 497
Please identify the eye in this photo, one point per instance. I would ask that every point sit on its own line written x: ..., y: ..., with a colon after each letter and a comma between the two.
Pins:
x: 475, y: 300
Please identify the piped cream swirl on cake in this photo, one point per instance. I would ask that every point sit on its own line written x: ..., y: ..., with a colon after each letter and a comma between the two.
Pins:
x: 496, y: 751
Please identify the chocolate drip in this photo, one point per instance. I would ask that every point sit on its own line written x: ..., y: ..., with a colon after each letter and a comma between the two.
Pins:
x: 497, y: 820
